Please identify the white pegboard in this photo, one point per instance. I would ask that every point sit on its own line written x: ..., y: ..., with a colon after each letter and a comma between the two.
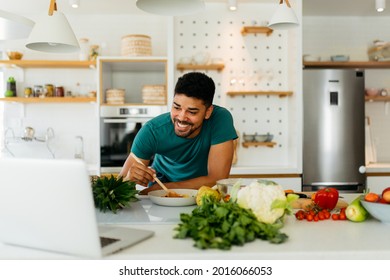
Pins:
x: 255, y: 62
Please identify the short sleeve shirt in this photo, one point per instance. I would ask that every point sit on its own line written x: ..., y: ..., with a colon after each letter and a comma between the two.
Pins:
x: 178, y: 158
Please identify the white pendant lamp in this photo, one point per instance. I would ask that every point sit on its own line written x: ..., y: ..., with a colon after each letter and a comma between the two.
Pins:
x: 171, y: 7
x: 14, y: 26
x: 284, y: 17
x: 380, y: 5
x: 53, y: 33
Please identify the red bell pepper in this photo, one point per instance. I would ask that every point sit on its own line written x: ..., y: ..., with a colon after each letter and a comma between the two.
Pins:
x: 326, y: 198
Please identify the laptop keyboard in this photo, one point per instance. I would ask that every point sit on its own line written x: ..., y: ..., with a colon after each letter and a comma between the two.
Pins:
x: 104, y: 241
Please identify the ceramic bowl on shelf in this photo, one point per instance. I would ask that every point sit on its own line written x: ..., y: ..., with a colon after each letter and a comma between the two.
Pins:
x: 261, y: 137
x: 372, y: 91
x: 380, y: 211
x: 249, y: 137
x: 270, y: 137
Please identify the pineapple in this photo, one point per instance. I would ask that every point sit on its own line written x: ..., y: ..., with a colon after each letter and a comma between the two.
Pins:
x: 111, y: 193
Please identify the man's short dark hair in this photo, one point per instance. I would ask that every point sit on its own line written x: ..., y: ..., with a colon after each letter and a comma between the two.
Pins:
x: 197, y: 85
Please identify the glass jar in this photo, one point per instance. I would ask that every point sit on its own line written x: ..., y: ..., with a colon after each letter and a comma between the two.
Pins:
x: 28, y: 92
x: 38, y: 91
x: 49, y: 89
x: 84, y: 48
x: 59, y: 92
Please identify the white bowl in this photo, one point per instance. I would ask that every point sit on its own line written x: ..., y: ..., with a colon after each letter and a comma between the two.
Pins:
x: 261, y: 137
x: 158, y: 197
x: 225, y: 185
x: 379, y: 211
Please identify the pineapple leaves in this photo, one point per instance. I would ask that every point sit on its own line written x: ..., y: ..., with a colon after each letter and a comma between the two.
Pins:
x: 112, y: 193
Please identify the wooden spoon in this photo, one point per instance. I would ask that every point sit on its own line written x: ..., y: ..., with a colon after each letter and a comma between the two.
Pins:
x: 170, y: 192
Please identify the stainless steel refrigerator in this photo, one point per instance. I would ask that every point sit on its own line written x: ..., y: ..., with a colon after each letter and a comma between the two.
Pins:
x: 333, y: 130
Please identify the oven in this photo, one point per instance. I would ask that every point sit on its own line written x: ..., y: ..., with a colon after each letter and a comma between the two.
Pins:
x: 118, y: 127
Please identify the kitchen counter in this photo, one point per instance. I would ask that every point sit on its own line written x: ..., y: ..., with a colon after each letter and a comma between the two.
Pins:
x: 307, y: 240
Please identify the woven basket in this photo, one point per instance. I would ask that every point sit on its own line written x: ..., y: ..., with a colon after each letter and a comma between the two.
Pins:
x: 115, y: 96
x: 136, y: 45
x: 154, y: 94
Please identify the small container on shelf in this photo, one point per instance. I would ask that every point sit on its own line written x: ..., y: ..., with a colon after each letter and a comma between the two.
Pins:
x: 84, y: 49
x: 28, y: 92
x: 59, y: 91
x: 38, y: 91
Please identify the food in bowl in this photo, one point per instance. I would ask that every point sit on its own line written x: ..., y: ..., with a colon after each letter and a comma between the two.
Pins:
x: 380, y: 211
x: 158, y: 197
x: 14, y: 55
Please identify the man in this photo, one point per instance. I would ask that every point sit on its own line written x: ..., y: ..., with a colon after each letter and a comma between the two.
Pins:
x: 189, y: 147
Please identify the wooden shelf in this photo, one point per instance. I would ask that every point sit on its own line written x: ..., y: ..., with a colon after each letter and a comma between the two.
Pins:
x: 255, y: 144
x: 48, y: 63
x: 49, y: 99
x: 255, y: 30
x: 218, y: 67
x: 279, y: 93
x: 377, y: 98
x: 347, y: 64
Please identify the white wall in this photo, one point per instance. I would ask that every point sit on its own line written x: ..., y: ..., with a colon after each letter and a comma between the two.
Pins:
x: 327, y: 36
x: 217, y: 31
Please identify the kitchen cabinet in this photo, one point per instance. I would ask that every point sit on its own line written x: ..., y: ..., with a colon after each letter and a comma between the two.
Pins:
x: 131, y: 74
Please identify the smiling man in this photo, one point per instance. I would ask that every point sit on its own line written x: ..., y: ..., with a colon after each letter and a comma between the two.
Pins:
x: 189, y: 147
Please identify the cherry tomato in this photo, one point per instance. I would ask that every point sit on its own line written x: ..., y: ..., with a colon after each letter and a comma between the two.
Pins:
x: 335, y: 216
x: 342, y: 216
x: 326, y: 198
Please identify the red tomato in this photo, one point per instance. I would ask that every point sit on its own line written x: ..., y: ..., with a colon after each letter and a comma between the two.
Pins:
x: 327, y: 198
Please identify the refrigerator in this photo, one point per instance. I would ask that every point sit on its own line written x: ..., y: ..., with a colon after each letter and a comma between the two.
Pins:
x: 333, y: 130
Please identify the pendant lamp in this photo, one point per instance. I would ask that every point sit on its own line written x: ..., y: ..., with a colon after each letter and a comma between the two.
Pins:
x: 13, y: 26
x: 171, y: 7
x: 284, y: 17
x: 380, y: 5
x: 53, y: 33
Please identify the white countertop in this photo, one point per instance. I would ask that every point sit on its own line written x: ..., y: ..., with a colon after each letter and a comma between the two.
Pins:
x: 307, y: 240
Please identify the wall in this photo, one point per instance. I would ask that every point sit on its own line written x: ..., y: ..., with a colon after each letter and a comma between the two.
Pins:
x: 326, y: 36
x: 264, y: 63
x: 261, y: 63
x: 71, y: 120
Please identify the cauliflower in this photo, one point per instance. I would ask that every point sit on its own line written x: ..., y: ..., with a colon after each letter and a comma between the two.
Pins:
x: 266, y: 199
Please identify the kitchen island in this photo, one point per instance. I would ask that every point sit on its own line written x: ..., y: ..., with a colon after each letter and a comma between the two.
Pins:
x: 307, y: 240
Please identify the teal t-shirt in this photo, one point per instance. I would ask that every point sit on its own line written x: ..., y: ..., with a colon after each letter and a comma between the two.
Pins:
x: 178, y: 158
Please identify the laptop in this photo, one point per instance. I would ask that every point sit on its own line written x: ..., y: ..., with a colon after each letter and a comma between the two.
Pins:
x: 48, y: 204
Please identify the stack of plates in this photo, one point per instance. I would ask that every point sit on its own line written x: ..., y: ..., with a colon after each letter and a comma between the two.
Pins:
x: 154, y: 94
x: 115, y: 96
